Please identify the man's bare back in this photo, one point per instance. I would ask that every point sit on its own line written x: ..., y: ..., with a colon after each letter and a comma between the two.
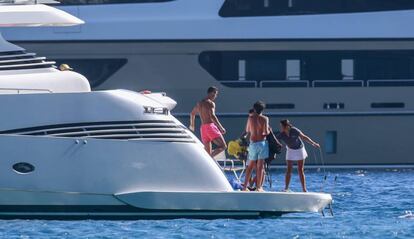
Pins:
x: 211, y: 129
x: 206, y: 109
x: 258, y: 127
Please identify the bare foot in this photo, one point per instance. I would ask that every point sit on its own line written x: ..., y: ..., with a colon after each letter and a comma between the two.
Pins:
x: 260, y: 190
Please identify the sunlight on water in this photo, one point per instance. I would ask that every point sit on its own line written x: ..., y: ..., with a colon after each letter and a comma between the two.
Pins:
x: 408, y: 215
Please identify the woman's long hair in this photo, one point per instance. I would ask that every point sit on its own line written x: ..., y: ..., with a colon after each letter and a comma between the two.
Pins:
x: 286, y: 123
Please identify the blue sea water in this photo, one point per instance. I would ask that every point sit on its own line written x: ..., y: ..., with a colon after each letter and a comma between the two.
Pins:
x: 368, y: 204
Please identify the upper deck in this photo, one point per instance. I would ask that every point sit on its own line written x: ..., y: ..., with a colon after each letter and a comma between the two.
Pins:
x: 201, y: 20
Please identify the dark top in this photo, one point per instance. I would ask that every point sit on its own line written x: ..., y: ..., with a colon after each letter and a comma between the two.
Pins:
x: 293, y: 141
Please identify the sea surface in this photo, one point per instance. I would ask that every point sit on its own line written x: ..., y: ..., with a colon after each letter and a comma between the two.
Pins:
x: 368, y: 204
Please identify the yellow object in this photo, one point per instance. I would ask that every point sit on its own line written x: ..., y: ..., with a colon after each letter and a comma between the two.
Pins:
x: 234, y: 148
x: 65, y: 67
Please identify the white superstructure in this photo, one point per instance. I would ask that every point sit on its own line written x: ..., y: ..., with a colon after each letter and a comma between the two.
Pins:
x: 200, y: 20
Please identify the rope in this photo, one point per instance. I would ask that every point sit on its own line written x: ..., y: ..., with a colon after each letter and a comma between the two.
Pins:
x: 325, y: 176
x: 325, y: 179
x: 322, y: 160
x: 316, y: 159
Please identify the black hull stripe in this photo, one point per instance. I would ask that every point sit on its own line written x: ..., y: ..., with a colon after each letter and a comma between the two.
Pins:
x: 119, y: 213
x: 17, y: 42
x: 84, y: 124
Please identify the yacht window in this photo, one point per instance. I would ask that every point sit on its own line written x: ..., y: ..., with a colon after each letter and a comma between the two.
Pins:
x: 249, y: 8
x: 334, y: 106
x: 96, y: 70
x: 388, y: 105
x: 242, y: 70
x: 274, y: 69
x: 88, y: 2
x: 377, y: 66
x: 293, y: 69
x: 23, y: 168
x: 324, y: 66
x: 280, y: 106
x: 265, y: 67
x: 347, y: 69
x: 330, y: 142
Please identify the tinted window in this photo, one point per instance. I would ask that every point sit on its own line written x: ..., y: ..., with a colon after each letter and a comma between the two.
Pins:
x: 235, y: 8
x: 335, y: 106
x: 330, y: 142
x: 23, y: 168
x: 96, y: 70
x: 388, y: 105
x: 394, y: 65
x: 280, y: 106
x: 301, y: 68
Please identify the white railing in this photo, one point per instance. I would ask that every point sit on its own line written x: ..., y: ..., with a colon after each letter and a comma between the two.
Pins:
x: 284, y: 83
x: 318, y: 83
x: 402, y: 82
x: 4, y: 2
x: 338, y: 83
x: 293, y: 78
x: 23, y: 91
x: 240, y: 83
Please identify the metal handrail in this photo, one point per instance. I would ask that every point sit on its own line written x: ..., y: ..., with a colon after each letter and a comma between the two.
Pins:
x: 388, y: 81
x: 86, y: 128
x: 284, y: 82
x: 242, y: 81
x: 42, y: 58
x: 43, y: 63
x: 293, y: 78
x: 18, y: 2
x: 109, y: 131
x: 18, y: 55
x: 337, y: 81
x: 18, y: 90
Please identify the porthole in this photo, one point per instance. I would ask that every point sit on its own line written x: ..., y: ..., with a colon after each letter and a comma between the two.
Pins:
x: 23, y: 168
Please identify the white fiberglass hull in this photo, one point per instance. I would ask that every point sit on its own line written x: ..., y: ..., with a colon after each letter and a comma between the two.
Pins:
x: 102, y: 155
x: 156, y: 205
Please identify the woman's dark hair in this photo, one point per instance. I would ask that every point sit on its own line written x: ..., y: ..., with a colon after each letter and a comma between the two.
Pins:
x: 251, y: 111
x: 259, y: 106
x: 212, y: 89
x: 285, y: 123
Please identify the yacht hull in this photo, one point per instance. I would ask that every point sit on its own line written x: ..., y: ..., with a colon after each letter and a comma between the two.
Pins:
x: 18, y: 204
x: 147, y: 166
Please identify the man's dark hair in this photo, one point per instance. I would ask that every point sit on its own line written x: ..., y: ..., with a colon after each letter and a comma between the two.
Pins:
x: 251, y: 111
x: 259, y: 106
x: 212, y: 89
x: 286, y: 123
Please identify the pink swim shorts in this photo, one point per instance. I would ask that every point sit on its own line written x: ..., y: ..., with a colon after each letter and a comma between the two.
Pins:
x: 209, y: 132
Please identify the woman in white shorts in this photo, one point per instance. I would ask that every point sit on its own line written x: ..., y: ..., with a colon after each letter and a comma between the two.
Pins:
x: 295, y: 150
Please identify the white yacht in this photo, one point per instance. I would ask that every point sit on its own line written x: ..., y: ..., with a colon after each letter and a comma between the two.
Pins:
x: 341, y: 71
x: 72, y: 153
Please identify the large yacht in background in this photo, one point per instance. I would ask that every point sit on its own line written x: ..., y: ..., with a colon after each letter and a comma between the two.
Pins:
x: 341, y: 70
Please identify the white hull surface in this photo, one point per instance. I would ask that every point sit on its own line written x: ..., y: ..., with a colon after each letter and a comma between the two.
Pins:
x: 112, y: 179
x: 15, y: 204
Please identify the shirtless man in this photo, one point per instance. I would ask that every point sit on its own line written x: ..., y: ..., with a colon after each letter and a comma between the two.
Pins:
x: 211, y: 129
x: 258, y: 128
